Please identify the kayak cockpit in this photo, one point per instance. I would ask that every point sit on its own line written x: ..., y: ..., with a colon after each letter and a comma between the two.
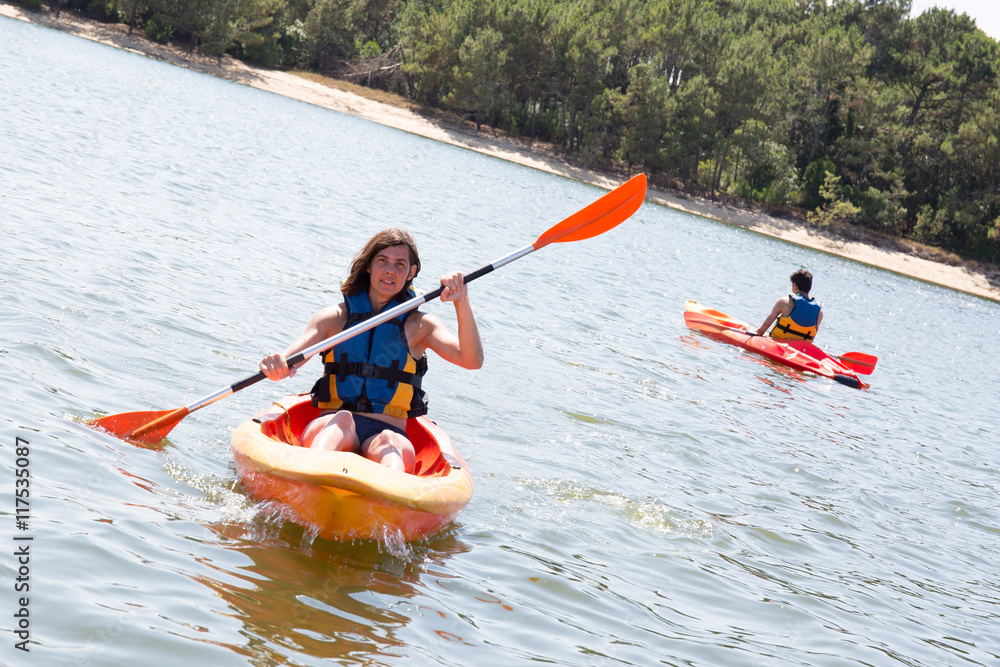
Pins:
x: 283, y: 422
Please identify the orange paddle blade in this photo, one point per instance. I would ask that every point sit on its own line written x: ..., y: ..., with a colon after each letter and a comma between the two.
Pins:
x: 146, y: 427
x: 606, y: 213
x: 859, y: 362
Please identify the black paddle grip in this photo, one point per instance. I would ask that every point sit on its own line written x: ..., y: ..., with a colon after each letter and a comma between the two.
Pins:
x: 847, y: 380
x: 246, y: 382
x: 478, y: 273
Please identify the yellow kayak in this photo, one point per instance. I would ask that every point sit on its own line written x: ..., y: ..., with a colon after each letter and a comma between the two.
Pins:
x: 344, y: 496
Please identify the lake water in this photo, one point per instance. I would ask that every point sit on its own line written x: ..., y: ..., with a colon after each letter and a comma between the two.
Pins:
x: 645, y: 495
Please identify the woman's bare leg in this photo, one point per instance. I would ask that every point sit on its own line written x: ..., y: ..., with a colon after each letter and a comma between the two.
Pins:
x: 391, y: 450
x: 334, y: 432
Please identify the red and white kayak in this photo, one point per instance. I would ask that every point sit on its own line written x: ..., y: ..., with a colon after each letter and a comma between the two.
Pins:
x: 800, y: 355
x: 344, y: 496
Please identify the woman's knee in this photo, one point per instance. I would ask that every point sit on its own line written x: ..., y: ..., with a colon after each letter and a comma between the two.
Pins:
x: 392, y: 449
x: 335, y: 432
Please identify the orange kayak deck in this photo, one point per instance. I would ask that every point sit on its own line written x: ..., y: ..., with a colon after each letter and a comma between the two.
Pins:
x: 344, y: 496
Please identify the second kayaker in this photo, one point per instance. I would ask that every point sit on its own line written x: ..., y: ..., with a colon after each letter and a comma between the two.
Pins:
x: 797, y: 315
x: 371, y: 382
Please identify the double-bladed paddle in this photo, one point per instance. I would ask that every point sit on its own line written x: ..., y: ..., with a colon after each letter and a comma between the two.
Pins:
x: 606, y: 213
x: 859, y: 362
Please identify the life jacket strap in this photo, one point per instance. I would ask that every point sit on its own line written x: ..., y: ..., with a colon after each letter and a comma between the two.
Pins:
x: 393, y: 375
x: 804, y: 335
x: 365, y: 406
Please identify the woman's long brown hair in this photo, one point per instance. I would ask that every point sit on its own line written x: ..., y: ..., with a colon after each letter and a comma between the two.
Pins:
x: 359, y: 279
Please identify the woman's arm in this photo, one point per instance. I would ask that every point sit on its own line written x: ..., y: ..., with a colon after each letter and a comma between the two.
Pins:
x: 465, y: 349
x: 327, y: 322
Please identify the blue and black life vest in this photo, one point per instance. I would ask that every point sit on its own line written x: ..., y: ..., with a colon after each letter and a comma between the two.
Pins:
x: 801, y: 323
x: 373, y: 371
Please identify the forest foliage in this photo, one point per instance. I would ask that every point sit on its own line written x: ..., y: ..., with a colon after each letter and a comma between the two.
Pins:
x: 852, y: 110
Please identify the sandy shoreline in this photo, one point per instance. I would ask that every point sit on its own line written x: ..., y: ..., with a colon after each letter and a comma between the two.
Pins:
x: 901, y: 259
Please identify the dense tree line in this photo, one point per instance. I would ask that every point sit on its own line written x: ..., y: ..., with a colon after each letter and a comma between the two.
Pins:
x: 850, y: 109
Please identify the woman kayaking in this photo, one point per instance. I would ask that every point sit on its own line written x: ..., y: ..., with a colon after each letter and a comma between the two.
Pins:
x: 798, y: 316
x: 371, y: 382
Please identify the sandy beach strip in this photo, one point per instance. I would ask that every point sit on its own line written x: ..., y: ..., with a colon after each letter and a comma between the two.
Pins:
x: 957, y: 275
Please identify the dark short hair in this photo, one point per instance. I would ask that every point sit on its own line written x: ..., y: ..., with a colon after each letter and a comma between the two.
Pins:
x: 803, y: 280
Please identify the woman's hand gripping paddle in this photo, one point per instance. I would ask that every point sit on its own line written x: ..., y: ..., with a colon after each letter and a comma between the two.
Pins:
x: 606, y: 213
